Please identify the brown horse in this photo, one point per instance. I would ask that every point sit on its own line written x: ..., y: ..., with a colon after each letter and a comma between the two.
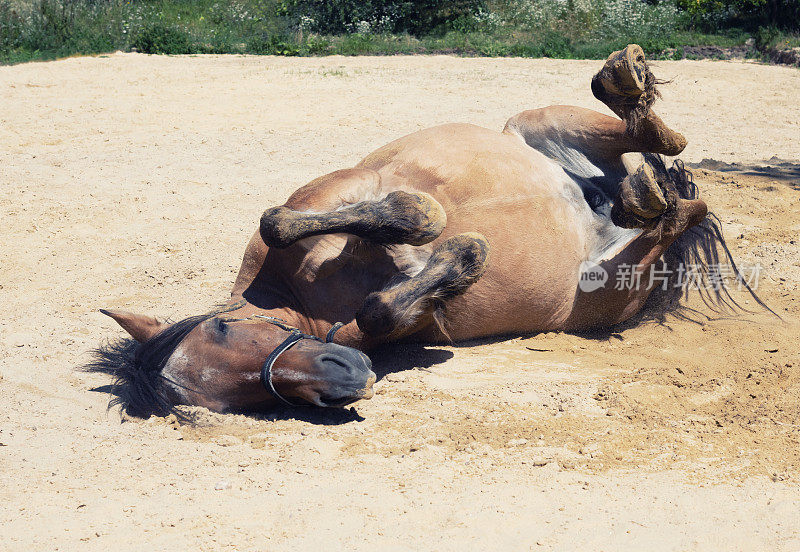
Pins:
x: 450, y: 233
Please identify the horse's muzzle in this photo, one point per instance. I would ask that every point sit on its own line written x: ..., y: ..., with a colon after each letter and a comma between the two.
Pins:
x: 346, y: 375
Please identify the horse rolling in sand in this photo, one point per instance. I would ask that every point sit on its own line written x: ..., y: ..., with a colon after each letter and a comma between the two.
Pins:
x: 451, y: 233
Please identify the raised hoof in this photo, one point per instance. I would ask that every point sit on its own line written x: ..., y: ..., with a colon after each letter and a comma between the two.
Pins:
x: 639, y: 200
x: 418, y: 217
x: 623, y: 74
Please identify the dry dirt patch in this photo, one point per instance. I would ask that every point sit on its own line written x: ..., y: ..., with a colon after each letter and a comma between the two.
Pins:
x: 134, y: 182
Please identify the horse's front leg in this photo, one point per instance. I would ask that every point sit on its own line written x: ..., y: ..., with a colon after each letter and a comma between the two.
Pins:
x: 397, y: 217
x: 454, y: 266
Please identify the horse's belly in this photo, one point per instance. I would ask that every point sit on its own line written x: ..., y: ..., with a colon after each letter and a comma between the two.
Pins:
x: 460, y: 163
x: 533, y: 215
x: 531, y: 279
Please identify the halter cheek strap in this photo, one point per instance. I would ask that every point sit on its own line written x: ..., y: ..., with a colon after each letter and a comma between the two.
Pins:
x: 266, y: 368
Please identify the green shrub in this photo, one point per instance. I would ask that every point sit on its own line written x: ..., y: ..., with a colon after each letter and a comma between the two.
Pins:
x: 766, y: 37
x: 44, y: 29
x: 277, y: 45
x: 11, y: 27
x: 751, y: 14
x: 555, y: 45
x: 49, y: 28
x: 161, y: 38
x: 378, y: 16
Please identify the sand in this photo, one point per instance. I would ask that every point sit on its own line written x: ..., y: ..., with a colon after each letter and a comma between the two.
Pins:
x: 131, y: 181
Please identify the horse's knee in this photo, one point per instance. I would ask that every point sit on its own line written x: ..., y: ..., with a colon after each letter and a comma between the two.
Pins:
x: 454, y: 266
x: 412, y: 218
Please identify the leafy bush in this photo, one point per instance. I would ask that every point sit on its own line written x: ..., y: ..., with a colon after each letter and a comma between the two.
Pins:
x: 11, y: 27
x: 766, y: 37
x: 160, y: 38
x: 378, y: 16
x: 58, y: 26
x: 276, y: 45
x: 752, y: 14
x: 37, y: 29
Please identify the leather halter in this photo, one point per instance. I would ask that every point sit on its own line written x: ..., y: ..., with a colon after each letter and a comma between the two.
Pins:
x: 295, y: 335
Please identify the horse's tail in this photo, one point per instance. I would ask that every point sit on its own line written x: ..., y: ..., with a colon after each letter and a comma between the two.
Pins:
x: 700, y: 251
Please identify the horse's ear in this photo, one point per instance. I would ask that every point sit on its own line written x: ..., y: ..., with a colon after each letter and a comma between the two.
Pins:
x: 139, y: 326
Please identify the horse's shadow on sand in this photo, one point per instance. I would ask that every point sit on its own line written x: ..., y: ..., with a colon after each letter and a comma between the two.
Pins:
x: 393, y: 358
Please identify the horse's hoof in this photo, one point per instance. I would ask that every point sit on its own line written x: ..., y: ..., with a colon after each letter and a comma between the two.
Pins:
x: 624, y: 73
x: 640, y: 200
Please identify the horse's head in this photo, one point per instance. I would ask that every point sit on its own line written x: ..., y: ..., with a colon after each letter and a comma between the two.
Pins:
x: 224, y: 363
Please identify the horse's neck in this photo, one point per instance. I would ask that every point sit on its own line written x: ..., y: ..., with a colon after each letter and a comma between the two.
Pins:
x: 331, y: 290
x: 269, y: 302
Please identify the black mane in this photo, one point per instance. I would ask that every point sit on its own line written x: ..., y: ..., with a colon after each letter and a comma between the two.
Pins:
x: 136, y: 367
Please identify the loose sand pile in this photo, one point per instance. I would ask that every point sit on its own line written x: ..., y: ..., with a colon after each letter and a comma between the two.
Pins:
x: 135, y: 182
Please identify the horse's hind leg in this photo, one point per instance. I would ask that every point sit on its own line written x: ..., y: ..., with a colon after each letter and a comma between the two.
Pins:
x: 642, y: 197
x: 398, y: 217
x: 631, y: 274
x: 455, y: 264
x: 627, y: 86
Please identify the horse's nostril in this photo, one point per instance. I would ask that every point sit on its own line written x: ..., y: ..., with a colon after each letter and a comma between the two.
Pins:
x: 332, y: 361
x: 347, y: 356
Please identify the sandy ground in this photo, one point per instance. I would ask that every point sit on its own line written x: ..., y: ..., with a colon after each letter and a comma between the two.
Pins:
x: 134, y: 182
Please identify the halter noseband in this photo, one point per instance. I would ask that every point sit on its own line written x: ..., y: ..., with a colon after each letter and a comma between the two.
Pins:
x: 295, y: 335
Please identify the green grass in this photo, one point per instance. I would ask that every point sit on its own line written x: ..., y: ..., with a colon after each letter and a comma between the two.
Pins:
x: 49, y: 29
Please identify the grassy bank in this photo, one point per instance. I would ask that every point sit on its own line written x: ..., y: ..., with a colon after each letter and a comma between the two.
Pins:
x: 47, y: 29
